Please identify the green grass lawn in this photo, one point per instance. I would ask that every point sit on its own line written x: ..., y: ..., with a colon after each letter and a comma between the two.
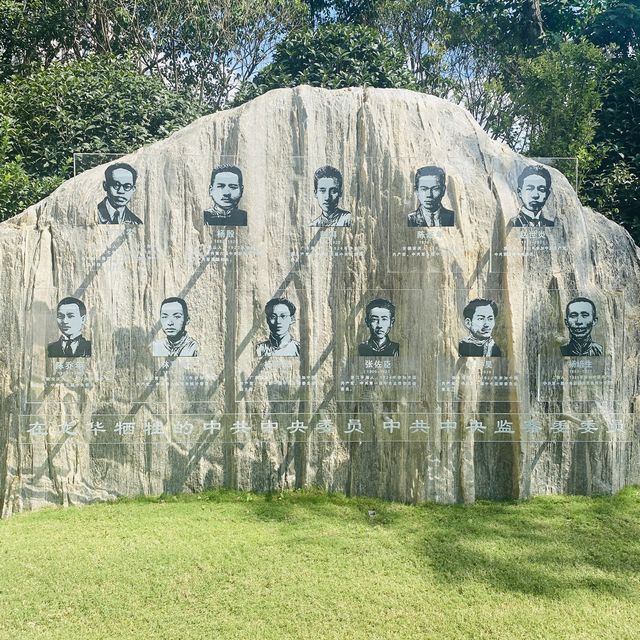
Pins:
x: 311, y: 565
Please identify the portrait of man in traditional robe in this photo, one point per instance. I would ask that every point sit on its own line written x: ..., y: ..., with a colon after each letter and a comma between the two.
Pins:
x: 226, y: 188
x: 327, y: 188
x: 174, y: 317
x: 280, y: 314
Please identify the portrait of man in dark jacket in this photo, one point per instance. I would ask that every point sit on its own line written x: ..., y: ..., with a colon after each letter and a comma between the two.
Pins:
x: 430, y: 187
x: 534, y: 188
x: 580, y: 318
x: 119, y: 185
x: 380, y: 316
x: 71, y: 315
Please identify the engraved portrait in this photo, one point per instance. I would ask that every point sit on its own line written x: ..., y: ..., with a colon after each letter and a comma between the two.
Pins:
x: 430, y: 186
x: 280, y: 314
x: 580, y: 318
x: 380, y: 316
x: 327, y: 189
x: 225, y: 189
x: 174, y: 317
x: 479, y: 318
x: 534, y: 189
x: 71, y: 316
x: 120, y: 185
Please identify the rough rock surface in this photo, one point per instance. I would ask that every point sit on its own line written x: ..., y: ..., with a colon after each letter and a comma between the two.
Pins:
x: 377, y: 139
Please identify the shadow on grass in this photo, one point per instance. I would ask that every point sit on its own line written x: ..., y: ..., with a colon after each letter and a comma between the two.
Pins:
x: 318, y: 505
x: 546, y: 547
x: 292, y: 506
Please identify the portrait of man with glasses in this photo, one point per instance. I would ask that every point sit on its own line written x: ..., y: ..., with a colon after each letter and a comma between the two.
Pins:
x: 280, y: 314
x: 119, y: 185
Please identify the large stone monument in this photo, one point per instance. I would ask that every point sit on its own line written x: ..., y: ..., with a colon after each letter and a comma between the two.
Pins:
x: 356, y: 289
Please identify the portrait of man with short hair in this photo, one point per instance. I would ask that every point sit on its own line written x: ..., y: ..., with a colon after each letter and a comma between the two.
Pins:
x: 174, y: 317
x: 120, y: 185
x: 534, y: 188
x: 327, y: 188
x: 226, y: 188
x: 280, y: 314
x: 71, y: 315
x: 480, y: 319
x: 380, y: 316
x: 430, y: 187
x: 580, y: 317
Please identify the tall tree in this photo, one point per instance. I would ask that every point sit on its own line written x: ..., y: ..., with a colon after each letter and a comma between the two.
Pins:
x: 612, y: 185
x: 617, y: 24
x: 332, y: 56
x: 208, y: 47
x: 354, y: 12
x: 556, y: 100
x: 421, y: 30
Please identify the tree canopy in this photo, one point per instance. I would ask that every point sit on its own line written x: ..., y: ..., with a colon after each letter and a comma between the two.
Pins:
x: 332, y: 56
x: 96, y: 105
x: 547, y: 77
x: 203, y: 48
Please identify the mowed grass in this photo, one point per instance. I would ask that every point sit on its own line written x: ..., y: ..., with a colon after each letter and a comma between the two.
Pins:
x: 311, y: 565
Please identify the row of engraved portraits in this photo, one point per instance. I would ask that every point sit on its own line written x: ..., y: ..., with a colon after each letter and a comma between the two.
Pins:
x: 227, y: 187
x: 477, y: 337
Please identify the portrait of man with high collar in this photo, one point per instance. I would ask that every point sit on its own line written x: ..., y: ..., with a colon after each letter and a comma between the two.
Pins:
x: 380, y: 316
x: 280, y: 314
x: 177, y: 343
x: 225, y: 189
x: 327, y: 189
x: 580, y: 318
